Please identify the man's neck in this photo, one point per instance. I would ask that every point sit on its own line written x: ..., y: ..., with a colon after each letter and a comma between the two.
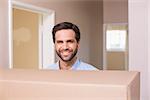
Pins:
x: 66, y: 65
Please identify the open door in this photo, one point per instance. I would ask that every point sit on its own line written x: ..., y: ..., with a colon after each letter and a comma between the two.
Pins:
x: 31, y: 45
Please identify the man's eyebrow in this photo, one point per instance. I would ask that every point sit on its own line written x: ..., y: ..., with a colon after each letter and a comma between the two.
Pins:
x: 59, y: 40
x: 70, y: 40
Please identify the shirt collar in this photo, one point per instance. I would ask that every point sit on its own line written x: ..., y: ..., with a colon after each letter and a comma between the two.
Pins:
x: 74, y: 66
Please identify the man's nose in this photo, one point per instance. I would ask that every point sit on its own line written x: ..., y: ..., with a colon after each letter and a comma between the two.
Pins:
x: 65, y: 45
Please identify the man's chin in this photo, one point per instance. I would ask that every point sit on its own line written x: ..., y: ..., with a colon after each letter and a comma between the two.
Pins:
x: 66, y: 59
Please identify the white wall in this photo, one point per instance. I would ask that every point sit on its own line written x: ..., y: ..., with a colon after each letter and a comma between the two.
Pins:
x: 4, y: 61
x: 138, y: 41
x: 149, y: 49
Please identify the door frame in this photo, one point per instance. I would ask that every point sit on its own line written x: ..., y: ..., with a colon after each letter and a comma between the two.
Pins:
x: 46, y: 48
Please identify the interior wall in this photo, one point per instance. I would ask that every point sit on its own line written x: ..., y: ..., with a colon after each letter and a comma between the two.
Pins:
x: 148, y: 50
x: 118, y: 63
x: 89, y: 18
x: 115, y: 11
x: 4, y: 39
x: 139, y: 42
x: 25, y: 39
x: 96, y: 34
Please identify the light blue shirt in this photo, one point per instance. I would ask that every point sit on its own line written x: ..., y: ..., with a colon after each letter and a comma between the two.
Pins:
x: 78, y: 65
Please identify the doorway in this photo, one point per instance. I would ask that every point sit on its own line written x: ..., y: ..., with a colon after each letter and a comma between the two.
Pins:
x: 115, y: 51
x: 30, y: 44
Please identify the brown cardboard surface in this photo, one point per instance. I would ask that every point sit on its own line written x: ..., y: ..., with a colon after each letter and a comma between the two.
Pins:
x: 68, y: 85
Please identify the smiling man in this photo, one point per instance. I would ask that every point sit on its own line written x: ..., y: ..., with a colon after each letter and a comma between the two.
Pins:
x: 66, y: 37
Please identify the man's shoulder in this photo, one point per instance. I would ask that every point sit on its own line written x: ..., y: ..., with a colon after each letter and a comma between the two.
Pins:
x: 86, y: 66
x: 53, y: 66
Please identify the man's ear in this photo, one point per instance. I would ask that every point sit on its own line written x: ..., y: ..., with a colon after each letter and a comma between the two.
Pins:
x: 78, y: 45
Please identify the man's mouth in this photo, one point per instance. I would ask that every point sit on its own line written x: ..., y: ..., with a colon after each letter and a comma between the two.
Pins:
x: 66, y: 53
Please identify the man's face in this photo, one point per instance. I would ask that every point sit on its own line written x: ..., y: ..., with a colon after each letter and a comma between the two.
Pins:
x: 65, y: 44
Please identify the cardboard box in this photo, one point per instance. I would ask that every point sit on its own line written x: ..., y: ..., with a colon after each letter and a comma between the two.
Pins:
x: 69, y: 85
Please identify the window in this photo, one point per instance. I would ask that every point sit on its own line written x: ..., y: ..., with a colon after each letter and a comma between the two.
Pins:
x: 116, y: 38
